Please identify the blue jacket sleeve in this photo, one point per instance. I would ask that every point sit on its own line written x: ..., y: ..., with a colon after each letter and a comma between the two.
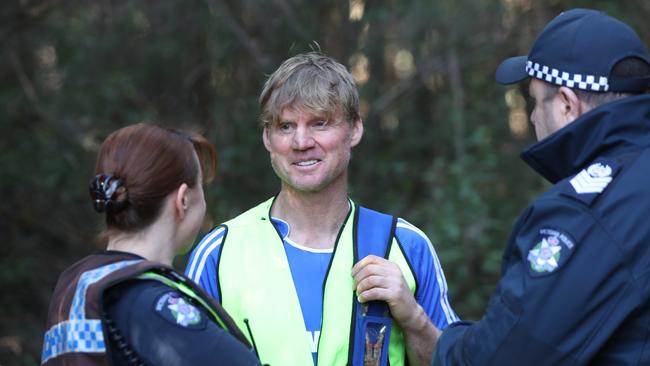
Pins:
x: 431, y: 291
x: 561, y: 296
x: 202, y: 266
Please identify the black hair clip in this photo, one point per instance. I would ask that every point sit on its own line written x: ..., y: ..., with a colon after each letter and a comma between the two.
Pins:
x: 102, y: 188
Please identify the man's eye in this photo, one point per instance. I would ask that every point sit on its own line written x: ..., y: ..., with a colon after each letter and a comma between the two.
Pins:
x: 320, y: 124
x: 285, y: 127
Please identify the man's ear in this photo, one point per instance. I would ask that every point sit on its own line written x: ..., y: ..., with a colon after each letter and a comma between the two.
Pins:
x: 357, y: 132
x: 572, y: 106
x: 181, y: 201
x: 265, y: 138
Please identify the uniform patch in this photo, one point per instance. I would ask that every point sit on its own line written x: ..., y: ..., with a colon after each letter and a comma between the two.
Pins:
x: 550, y: 251
x: 175, y: 308
x: 594, y: 179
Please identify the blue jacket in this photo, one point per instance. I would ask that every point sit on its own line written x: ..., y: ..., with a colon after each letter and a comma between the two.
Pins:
x: 575, y: 282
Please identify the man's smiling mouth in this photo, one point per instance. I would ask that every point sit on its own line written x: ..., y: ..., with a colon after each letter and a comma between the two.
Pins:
x: 307, y: 162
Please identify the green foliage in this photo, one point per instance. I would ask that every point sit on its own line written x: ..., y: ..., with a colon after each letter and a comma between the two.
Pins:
x: 438, y: 149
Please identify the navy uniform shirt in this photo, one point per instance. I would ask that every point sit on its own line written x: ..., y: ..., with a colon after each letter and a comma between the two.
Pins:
x: 575, y: 283
x: 160, y: 326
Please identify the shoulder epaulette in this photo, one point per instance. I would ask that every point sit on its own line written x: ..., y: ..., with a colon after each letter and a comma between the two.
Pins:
x: 592, y: 181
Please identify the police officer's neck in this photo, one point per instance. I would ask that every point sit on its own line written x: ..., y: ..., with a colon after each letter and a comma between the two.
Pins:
x: 153, y: 243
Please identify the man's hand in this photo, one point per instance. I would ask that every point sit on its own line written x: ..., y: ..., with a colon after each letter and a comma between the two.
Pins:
x: 376, y: 278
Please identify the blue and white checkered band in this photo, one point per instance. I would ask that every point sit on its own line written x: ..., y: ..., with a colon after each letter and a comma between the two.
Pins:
x: 79, y: 334
x: 578, y: 81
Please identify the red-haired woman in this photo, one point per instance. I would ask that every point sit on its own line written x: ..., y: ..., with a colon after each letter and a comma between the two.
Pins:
x: 127, y: 305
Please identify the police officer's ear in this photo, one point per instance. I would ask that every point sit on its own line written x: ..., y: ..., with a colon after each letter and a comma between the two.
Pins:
x: 571, y: 107
x: 180, y: 201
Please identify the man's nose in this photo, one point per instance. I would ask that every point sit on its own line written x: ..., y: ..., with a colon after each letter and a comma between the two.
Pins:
x: 302, y: 139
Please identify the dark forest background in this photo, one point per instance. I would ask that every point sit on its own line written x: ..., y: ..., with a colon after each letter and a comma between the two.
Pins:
x: 440, y: 149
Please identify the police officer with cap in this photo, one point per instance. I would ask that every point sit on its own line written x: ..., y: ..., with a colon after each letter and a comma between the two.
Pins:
x: 575, y: 286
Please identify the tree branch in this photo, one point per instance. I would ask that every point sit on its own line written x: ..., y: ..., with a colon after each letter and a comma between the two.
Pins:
x: 262, y: 60
x: 25, y: 83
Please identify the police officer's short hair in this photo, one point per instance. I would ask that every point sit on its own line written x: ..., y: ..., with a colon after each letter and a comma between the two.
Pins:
x: 631, y: 67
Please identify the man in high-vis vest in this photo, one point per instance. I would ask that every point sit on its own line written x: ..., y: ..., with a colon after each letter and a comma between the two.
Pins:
x: 312, y: 277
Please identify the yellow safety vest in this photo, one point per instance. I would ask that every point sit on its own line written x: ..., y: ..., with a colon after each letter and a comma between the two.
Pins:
x: 257, y: 290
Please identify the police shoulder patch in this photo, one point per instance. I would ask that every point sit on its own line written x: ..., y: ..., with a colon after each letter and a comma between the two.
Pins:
x: 550, y: 251
x: 176, y: 309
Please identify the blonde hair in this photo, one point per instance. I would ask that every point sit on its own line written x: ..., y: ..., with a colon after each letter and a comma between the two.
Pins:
x: 312, y: 82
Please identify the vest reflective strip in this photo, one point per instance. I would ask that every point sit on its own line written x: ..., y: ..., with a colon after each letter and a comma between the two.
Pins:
x: 185, y: 290
x: 78, y: 334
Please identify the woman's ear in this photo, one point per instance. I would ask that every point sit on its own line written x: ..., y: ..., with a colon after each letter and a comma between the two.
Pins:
x: 181, y: 201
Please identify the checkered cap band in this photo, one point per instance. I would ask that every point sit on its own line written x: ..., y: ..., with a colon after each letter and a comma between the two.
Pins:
x: 577, y: 81
x: 79, y: 334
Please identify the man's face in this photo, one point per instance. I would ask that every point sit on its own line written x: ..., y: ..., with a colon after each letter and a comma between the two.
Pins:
x: 547, y: 115
x: 310, y: 153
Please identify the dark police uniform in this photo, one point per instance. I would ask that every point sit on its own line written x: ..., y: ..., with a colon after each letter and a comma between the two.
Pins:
x: 575, y: 283
x: 145, y: 313
x: 117, y: 308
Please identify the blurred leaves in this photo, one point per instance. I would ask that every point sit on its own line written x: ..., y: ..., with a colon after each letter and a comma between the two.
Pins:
x: 437, y: 149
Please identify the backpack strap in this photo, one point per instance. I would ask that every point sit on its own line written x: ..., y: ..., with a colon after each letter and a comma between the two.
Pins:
x: 373, y: 235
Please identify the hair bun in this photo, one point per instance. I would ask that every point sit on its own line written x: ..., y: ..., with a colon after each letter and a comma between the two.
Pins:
x: 103, y: 189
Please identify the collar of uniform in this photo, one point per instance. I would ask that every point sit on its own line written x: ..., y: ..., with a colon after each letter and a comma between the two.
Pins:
x: 611, y: 129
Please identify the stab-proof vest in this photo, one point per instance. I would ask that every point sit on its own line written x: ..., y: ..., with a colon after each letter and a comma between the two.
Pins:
x: 77, y: 332
x: 257, y: 290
